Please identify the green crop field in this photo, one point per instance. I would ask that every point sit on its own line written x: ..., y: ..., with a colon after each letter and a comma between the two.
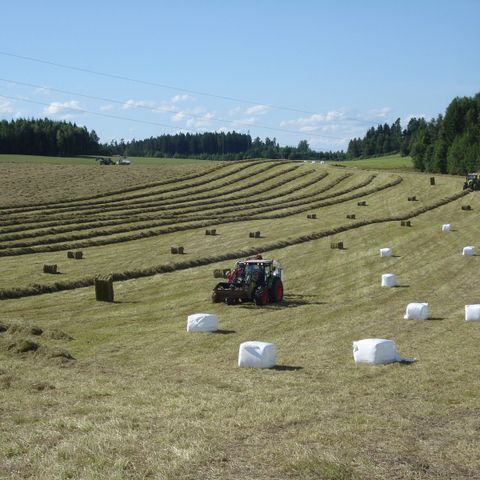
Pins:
x: 120, y: 390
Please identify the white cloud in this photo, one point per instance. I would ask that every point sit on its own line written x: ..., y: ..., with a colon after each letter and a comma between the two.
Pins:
x: 244, y: 121
x: 201, y: 122
x: 106, y: 108
x: 6, y: 106
x: 179, y: 116
x: 138, y: 103
x: 41, y: 91
x: 257, y: 110
x: 315, y: 120
x: 181, y: 98
x: 377, y: 113
x: 67, y: 109
x: 234, y: 111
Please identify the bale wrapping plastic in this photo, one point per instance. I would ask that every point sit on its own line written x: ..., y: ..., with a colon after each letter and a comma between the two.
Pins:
x: 468, y: 251
x: 416, y: 311
x: 385, y: 252
x: 375, y: 351
x: 389, y: 280
x: 446, y: 227
x: 257, y: 355
x: 472, y: 313
x: 202, y: 322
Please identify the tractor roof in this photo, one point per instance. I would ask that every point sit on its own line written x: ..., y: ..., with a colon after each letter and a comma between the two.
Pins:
x: 257, y: 262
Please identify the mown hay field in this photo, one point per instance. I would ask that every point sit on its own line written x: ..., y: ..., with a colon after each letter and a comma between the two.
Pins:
x: 120, y: 390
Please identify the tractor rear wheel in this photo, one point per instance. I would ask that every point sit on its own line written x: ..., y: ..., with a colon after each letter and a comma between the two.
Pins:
x: 276, y: 291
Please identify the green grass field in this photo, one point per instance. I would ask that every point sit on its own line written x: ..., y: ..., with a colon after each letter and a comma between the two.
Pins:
x: 142, y: 398
x: 388, y: 162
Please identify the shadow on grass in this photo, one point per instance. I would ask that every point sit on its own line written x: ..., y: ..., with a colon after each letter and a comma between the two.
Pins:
x: 286, y: 368
x: 123, y: 302
x: 224, y: 332
x: 396, y: 256
x: 289, y: 301
x: 436, y: 318
x: 401, y: 286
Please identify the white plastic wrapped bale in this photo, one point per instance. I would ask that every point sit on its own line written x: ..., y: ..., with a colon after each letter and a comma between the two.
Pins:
x: 446, y: 227
x: 202, y: 322
x: 416, y: 311
x: 257, y: 355
x: 468, y: 251
x: 389, y: 280
x: 472, y: 313
x: 375, y: 351
x: 385, y: 252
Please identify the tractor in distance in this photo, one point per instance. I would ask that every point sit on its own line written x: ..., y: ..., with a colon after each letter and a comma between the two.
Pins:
x: 472, y: 181
x: 253, y: 279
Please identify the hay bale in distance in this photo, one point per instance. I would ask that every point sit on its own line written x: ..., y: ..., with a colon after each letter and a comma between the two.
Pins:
x: 412, y: 199
x: 251, y: 234
x: 389, y: 280
x: 472, y: 313
x: 406, y: 223
x: 446, y: 227
x: 217, y: 273
x: 181, y: 250
x: 50, y: 268
x: 256, y: 354
x: 336, y: 245
x: 363, y: 203
x: 312, y: 215
x: 70, y: 254
x: 386, y: 252
x: 104, y: 288
x: 213, y: 231
x: 78, y: 255
x: 468, y: 251
x: 466, y: 207
x: 432, y: 180
x: 351, y: 216
x: 257, y: 234
x: 207, y: 232
x: 416, y: 311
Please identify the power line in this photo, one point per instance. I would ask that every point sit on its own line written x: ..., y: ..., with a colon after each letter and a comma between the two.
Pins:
x: 110, y: 100
x: 170, y: 87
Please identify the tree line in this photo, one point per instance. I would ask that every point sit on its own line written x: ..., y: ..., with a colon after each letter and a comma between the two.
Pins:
x: 449, y: 143
x: 46, y: 137
x: 217, y: 146
x: 61, y: 138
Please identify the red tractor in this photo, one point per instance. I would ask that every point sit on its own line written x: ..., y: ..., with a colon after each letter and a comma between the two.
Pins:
x: 253, y: 279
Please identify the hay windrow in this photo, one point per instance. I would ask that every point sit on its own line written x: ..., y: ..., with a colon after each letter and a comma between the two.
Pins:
x: 182, y: 265
x: 76, y: 206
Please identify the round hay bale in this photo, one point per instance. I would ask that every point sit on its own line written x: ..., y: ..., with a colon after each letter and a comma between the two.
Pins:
x: 446, y: 227
x: 472, y: 313
x: 416, y: 311
x: 468, y: 251
x: 386, y: 252
x: 389, y: 280
x: 256, y: 354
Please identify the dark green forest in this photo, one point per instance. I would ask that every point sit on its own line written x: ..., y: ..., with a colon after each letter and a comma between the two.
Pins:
x: 54, y: 138
x: 449, y: 143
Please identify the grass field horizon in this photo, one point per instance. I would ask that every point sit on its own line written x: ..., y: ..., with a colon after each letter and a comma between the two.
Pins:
x: 120, y: 390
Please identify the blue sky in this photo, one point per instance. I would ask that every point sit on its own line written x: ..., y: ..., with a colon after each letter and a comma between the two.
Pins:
x: 324, y: 71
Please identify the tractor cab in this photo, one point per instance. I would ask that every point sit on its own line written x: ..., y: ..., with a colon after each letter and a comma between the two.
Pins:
x: 472, y: 181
